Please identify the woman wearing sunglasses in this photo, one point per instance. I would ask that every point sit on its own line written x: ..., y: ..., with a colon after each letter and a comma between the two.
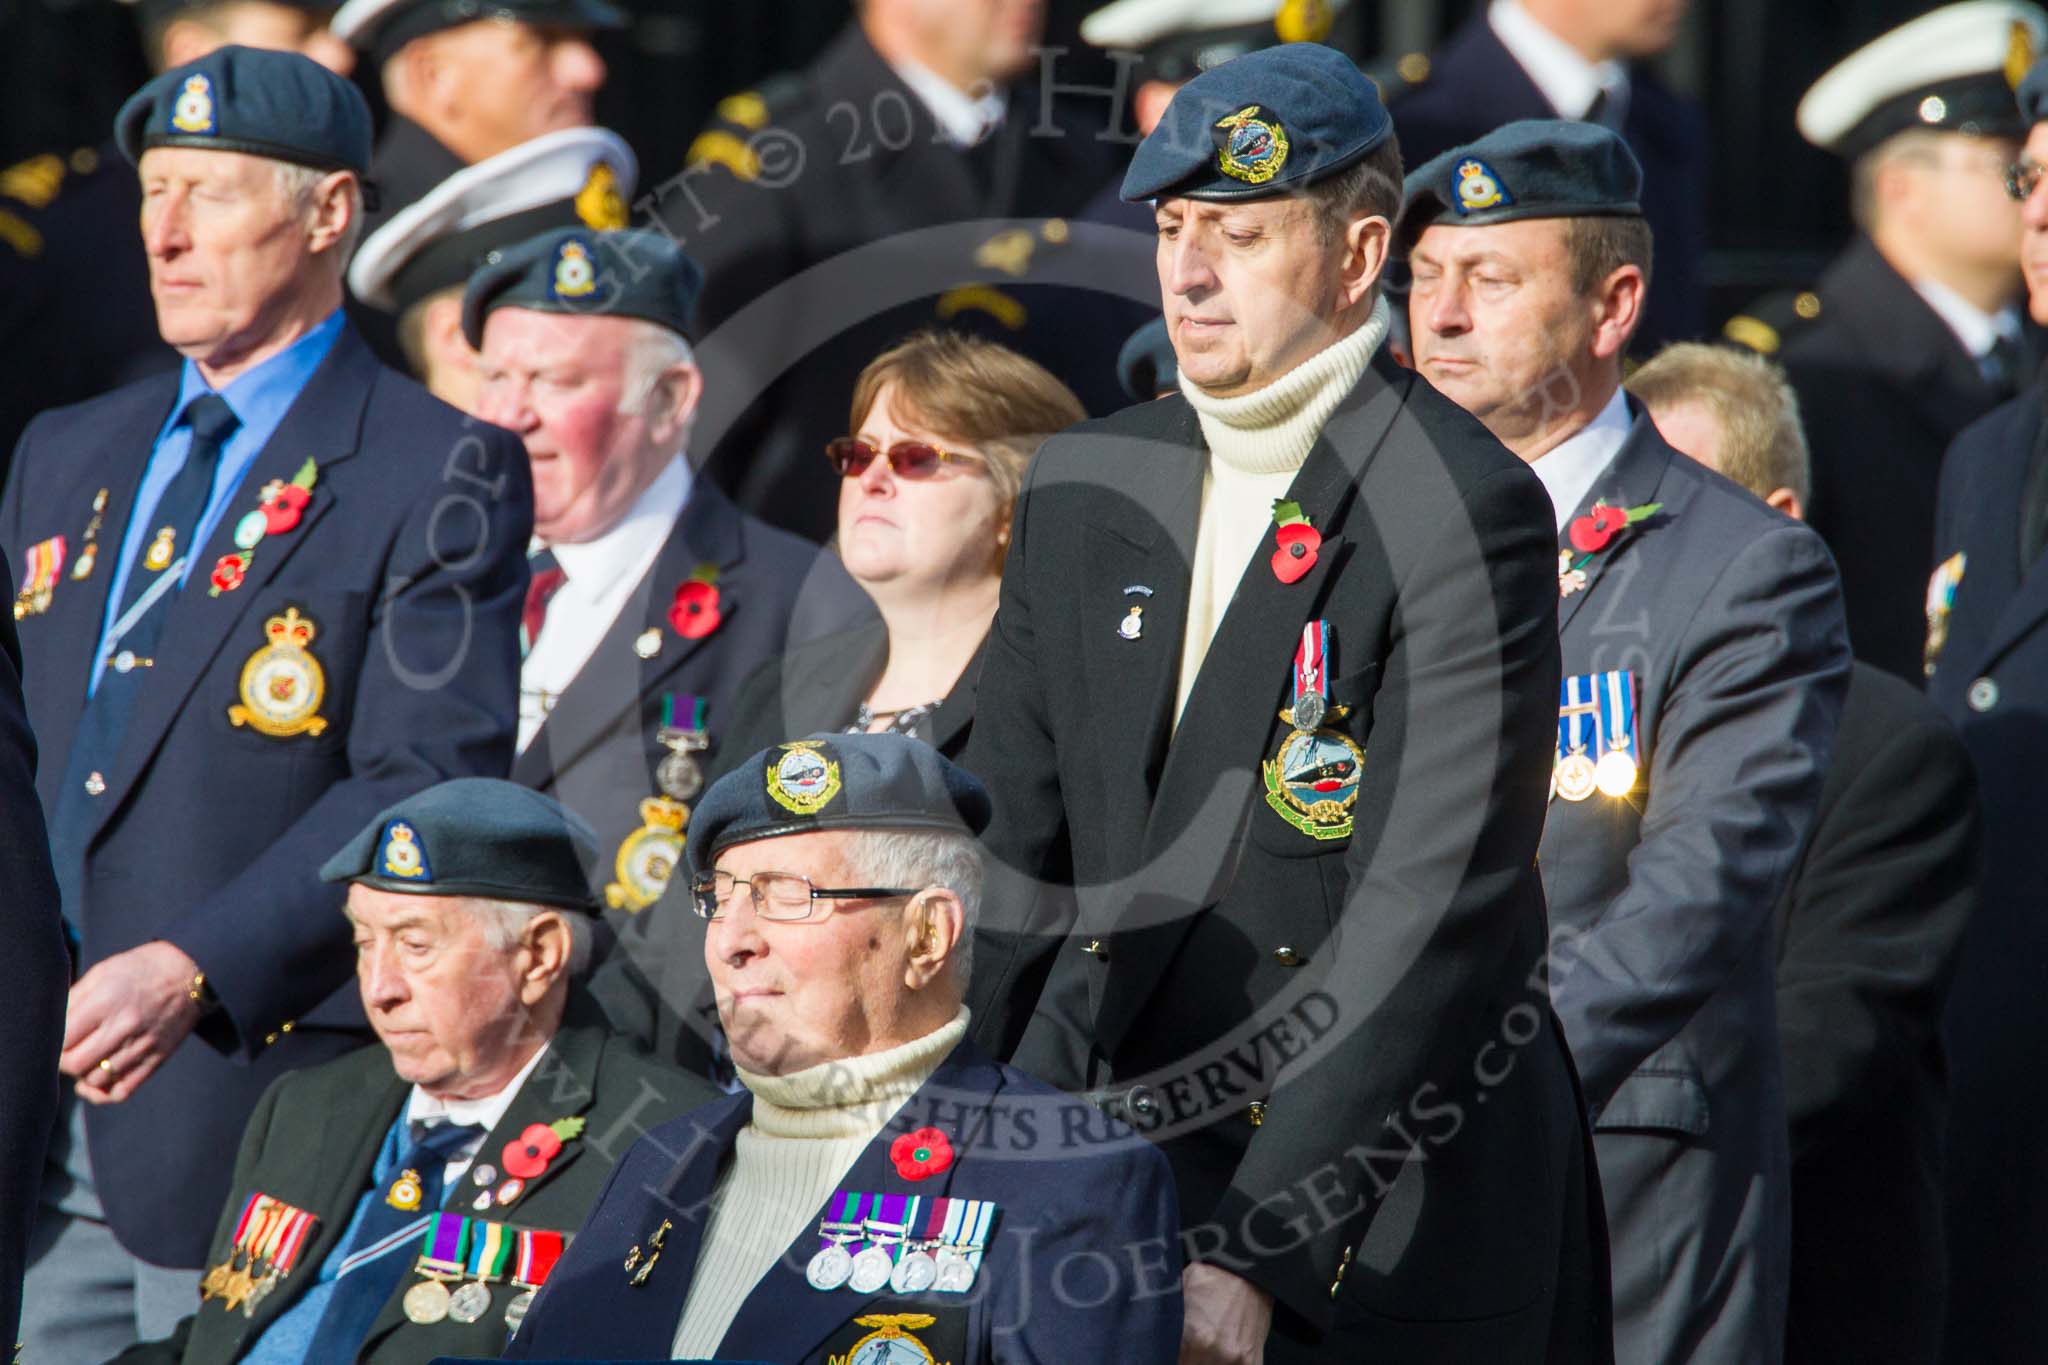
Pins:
x: 941, y: 429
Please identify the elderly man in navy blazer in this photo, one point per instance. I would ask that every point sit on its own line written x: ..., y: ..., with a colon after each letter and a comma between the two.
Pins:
x: 262, y: 599
x: 881, y: 1190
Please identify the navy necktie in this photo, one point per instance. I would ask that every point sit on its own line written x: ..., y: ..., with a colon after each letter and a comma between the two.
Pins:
x: 97, y: 741
x: 362, y: 1290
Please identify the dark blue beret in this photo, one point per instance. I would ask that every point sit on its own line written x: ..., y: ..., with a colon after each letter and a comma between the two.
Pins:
x: 246, y: 99
x: 1534, y: 168
x: 1259, y: 125
x: 2033, y: 95
x: 834, y: 781
x: 474, y: 836
x: 627, y: 274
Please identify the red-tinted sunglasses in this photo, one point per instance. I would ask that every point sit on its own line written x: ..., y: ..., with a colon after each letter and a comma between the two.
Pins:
x: 851, y: 456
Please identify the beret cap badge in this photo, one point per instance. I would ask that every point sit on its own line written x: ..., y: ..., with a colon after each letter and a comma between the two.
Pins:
x: 575, y: 273
x: 403, y: 856
x: 802, y: 777
x: 1251, y: 144
x: 1478, y: 187
x: 192, y: 111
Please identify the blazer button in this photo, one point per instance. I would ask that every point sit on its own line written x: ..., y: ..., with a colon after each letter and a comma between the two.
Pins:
x: 1139, y: 1100
x: 1287, y: 957
x: 1983, y: 695
x: 1096, y: 949
x: 1255, y: 1113
x: 94, y: 784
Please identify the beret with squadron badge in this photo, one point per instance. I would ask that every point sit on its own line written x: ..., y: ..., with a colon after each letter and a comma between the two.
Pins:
x: 1532, y: 168
x: 836, y: 781
x: 1261, y: 124
x: 474, y: 836
x: 631, y: 274
x: 243, y: 99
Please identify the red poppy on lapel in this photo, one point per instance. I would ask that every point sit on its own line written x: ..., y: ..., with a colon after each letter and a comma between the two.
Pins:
x: 695, y: 611
x: 1298, y: 542
x: 1591, y: 533
x: 281, y: 513
x: 923, y: 1153
x: 228, y: 571
x: 528, y: 1155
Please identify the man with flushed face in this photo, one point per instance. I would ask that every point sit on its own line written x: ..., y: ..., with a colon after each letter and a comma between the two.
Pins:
x: 280, y: 499
x: 1272, y: 665
x: 491, y: 1095
x: 879, y: 1188
x: 1705, y: 661
x: 652, y: 596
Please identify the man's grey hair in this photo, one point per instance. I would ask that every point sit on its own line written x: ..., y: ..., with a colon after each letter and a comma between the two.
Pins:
x: 652, y: 353
x: 924, y: 858
x: 297, y: 183
x: 505, y: 921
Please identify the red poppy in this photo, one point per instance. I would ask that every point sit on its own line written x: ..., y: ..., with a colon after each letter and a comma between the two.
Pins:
x: 527, y: 1155
x: 1299, y: 542
x: 227, y: 573
x: 1590, y: 533
x: 694, y: 613
x: 923, y: 1153
x: 281, y: 513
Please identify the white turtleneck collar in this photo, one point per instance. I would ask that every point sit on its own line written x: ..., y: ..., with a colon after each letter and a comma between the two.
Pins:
x: 1271, y: 430
x: 852, y: 1095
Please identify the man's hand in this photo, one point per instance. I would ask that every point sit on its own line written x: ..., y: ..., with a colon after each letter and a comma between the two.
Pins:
x: 1227, y: 1318
x: 126, y: 1016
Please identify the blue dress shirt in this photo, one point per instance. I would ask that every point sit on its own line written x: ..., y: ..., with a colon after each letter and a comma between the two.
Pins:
x: 260, y: 398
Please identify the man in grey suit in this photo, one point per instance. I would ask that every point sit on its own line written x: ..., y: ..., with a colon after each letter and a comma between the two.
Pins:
x: 1705, y: 663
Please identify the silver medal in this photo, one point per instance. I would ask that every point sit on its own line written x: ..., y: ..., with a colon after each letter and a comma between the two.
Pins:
x: 871, y: 1270
x: 829, y: 1268
x: 483, y: 1173
x: 470, y: 1303
x: 1309, y: 709
x: 680, y: 776
x: 515, y: 1311
x: 915, y: 1273
x: 955, y: 1271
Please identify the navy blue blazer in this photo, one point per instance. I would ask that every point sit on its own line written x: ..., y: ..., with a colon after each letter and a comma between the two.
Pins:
x: 32, y: 975
x: 1083, y: 1262
x: 1990, y: 677
x: 598, y: 749
x: 1475, y: 85
x: 409, y: 561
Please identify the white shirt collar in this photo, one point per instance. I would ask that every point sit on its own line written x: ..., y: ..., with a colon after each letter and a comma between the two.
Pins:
x: 1975, y: 328
x: 963, y: 119
x: 1566, y: 79
x: 647, y: 522
x: 1570, y: 470
x: 421, y: 1107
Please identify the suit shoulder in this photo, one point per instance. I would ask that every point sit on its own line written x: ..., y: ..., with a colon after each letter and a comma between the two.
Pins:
x: 783, y: 548
x: 1883, y: 709
x: 1109, y: 1140
x: 351, y: 1075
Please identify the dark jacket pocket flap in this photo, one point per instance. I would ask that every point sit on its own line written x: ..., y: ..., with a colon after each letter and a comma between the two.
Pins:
x: 1657, y: 1099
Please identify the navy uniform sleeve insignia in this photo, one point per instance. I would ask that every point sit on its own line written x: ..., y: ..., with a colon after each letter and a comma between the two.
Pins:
x: 1769, y: 323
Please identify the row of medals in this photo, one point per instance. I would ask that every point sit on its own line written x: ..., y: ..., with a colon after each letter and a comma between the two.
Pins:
x: 924, y: 1265
x: 1578, y: 776
x: 431, y: 1300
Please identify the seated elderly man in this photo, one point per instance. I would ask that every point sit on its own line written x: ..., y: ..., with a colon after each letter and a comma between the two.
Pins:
x: 404, y: 1202
x: 881, y: 1191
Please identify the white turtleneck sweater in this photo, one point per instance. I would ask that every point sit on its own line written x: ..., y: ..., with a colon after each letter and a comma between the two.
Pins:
x: 807, y: 1130
x: 1258, y: 442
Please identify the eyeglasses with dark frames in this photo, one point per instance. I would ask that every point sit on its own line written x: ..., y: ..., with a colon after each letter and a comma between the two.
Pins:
x: 785, y: 897
x: 2021, y: 177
